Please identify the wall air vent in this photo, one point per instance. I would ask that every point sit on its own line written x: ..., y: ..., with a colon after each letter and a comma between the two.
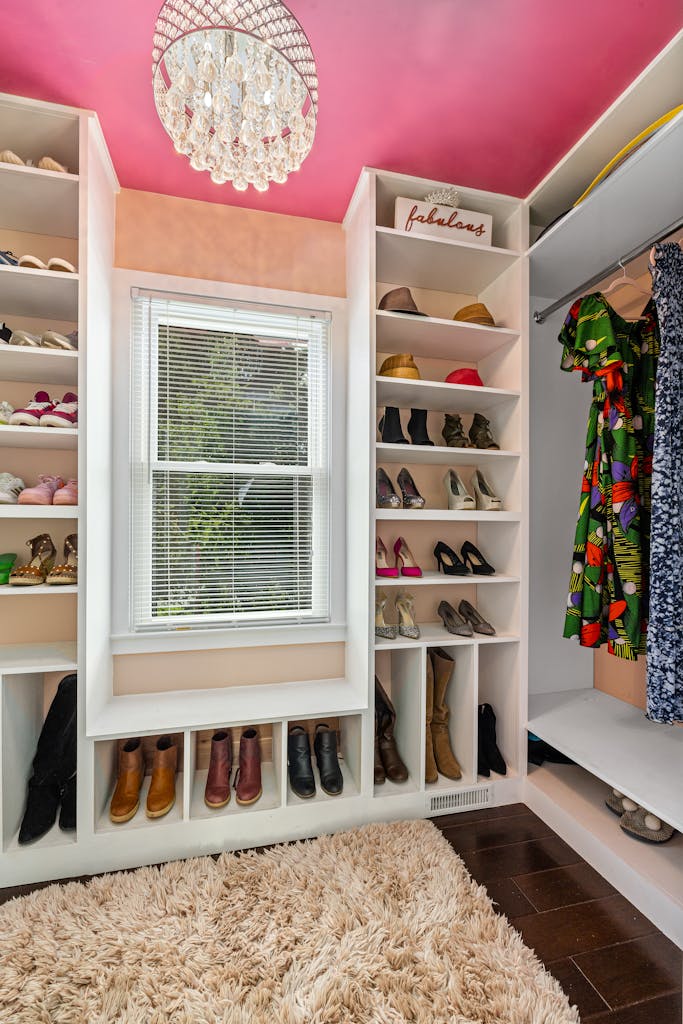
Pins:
x: 460, y: 801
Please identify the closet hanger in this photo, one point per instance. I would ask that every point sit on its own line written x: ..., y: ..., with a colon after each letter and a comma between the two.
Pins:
x: 626, y: 279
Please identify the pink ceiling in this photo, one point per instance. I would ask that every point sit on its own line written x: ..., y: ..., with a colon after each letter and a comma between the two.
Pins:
x: 487, y: 93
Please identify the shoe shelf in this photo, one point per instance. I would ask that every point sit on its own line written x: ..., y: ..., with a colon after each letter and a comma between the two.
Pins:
x: 444, y: 515
x: 436, y: 338
x: 396, y: 789
x: 47, y: 294
x: 16, y: 659
x: 436, y: 579
x: 48, y: 366
x: 41, y: 589
x: 439, y: 455
x: 54, y: 838
x: 104, y: 823
x: 425, y: 261
x: 320, y: 796
x: 269, y: 800
x: 433, y: 634
x: 55, y: 438
x: 440, y: 397
x: 38, y: 202
x: 38, y: 512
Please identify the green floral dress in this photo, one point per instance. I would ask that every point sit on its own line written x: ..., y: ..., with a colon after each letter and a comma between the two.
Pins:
x: 609, y: 580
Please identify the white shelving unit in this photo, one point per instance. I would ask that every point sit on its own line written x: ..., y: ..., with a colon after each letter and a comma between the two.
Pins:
x: 50, y: 365
x: 38, y: 437
x: 38, y: 512
x: 38, y: 202
x: 48, y: 294
x: 438, y: 338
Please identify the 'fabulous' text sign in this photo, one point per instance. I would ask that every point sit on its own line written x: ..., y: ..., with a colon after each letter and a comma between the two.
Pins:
x: 445, y: 221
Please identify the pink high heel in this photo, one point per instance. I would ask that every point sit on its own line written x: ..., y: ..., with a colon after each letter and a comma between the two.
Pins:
x: 405, y: 560
x: 382, y: 568
x: 44, y: 491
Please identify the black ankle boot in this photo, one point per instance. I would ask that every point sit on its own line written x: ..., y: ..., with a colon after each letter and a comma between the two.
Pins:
x: 417, y: 427
x: 53, y: 765
x: 299, y: 766
x: 325, y: 747
x: 487, y: 740
x: 390, y: 427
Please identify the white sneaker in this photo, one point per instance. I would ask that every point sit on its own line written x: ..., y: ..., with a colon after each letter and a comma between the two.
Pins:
x: 459, y: 498
x: 6, y: 411
x: 25, y: 338
x: 10, y: 488
x: 487, y: 499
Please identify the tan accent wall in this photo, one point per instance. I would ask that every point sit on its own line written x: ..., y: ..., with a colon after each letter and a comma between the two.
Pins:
x: 622, y: 679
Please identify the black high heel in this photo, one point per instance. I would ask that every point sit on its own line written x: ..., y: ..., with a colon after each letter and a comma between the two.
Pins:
x: 448, y: 562
x: 473, y: 558
x: 417, y: 427
x: 390, y: 426
x: 411, y: 496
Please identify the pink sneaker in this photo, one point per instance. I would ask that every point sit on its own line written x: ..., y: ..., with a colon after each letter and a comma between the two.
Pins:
x: 67, y: 495
x: 64, y: 414
x: 43, y: 493
x: 30, y: 416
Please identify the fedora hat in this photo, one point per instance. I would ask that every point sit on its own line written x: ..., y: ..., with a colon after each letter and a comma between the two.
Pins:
x: 475, y: 313
x: 399, y: 300
x: 401, y: 365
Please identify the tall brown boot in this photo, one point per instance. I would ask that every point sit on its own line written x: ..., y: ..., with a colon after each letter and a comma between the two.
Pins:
x: 446, y: 761
x: 431, y: 773
x: 386, y: 717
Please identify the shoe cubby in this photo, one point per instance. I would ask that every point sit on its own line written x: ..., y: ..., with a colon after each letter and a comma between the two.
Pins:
x: 498, y: 685
x: 270, y: 745
x: 349, y: 734
x: 502, y: 474
x: 401, y: 673
x: 461, y: 700
x: 25, y: 699
x: 106, y: 759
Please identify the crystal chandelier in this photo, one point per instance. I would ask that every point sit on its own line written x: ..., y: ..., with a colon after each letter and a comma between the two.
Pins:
x: 236, y: 88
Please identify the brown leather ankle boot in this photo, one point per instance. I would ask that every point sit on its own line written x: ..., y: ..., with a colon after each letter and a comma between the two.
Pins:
x: 248, y: 780
x: 446, y: 762
x: 394, y: 767
x: 126, y: 798
x: 161, y: 795
x: 380, y: 774
x: 431, y: 773
x: 217, y: 791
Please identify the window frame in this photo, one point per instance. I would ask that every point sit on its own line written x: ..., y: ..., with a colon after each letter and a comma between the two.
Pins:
x: 124, y: 638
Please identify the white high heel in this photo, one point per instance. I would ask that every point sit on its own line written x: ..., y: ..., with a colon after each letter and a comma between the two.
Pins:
x: 405, y: 606
x: 487, y: 499
x: 459, y: 498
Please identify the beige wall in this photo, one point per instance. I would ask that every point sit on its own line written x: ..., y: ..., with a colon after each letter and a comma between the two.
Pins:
x: 166, y: 235
x: 623, y: 679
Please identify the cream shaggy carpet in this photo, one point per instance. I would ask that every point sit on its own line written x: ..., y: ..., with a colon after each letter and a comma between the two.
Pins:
x: 379, y: 925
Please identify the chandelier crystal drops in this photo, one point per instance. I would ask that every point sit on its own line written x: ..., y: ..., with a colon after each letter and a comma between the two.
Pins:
x: 236, y: 88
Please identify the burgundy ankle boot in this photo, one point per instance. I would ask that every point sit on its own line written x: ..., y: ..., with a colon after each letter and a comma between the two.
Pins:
x: 248, y: 781
x: 217, y: 792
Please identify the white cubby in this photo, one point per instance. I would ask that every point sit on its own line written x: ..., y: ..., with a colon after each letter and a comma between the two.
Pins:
x: 105, y: 774
x: 349, y: 751
x: 39, y: 365
x: 461, y: 700
x: 270, y: 745
x: 39, y: 293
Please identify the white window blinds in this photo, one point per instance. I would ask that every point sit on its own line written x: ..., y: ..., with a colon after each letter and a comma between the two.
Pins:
x: 229, y: 464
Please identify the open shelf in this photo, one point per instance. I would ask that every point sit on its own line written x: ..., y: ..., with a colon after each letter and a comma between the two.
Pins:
x: 436, y: 579
x: 445, y: 515
x: 320, y: 797
x: 37, y: 201
x: 572, y: 800
x: 55, y: 657
x: 59, y: 438
x: 140, y: 820
x: 434, y: 634
x: 617, y: 743
x: 440, y: 264
x: 436, y: 338
x: 439, y: 455
x: 55, y: 837
x: 389, y: 788
x: 38, y: 512
x: 269, y: 799
x: 41, y: 589
x: 44, y: 365
x: 48, y: 294
x: 427, y: 394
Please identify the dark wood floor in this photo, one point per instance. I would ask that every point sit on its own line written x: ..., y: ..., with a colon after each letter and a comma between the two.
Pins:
x: 610, y: 960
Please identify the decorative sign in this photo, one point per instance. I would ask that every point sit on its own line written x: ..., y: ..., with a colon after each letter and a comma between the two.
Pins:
x: 444, y: 221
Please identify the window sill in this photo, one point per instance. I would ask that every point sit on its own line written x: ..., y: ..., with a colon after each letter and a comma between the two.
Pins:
x: 224, y: 639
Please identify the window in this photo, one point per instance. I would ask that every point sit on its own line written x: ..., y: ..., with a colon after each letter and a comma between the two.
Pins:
x: 229, y: 464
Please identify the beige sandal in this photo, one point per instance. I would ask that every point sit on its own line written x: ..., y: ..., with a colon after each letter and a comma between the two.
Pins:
x: 66, y: 574
x: 36, y: 571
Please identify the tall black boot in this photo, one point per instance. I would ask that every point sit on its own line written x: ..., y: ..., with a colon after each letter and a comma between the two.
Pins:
x: 54, y: 763
x: 487, y: 739
x: 390, y: 427
x: 417, y: 427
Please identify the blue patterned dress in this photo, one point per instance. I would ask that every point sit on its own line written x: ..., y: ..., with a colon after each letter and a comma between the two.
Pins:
x: 665, y: 630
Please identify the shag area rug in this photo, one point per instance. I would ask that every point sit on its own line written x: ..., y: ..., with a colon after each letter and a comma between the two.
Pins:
x: 380, y: 924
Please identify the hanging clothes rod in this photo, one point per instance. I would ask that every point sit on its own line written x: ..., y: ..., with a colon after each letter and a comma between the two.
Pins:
x: 543, y: 314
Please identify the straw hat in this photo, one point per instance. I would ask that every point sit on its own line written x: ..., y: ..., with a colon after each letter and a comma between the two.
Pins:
x: 399, y: 300
x: 401, y: 365
x: 475, y: 313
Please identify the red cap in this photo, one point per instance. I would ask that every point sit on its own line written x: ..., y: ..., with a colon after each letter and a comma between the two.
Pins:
x: 466, y: 376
